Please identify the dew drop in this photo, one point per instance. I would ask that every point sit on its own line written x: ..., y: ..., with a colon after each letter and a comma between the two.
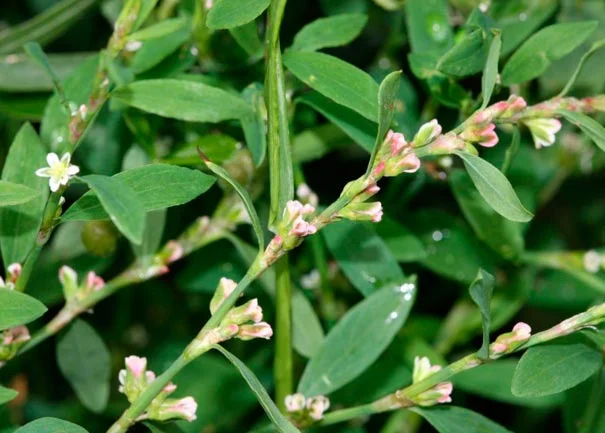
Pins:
x: 436, y: 27
x: 392, y: 317
x: 437, y: 235
x: 523, y: 16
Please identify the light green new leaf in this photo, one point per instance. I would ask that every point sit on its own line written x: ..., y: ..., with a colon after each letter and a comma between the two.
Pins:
x: 495, y: 188
x: 589, y: 126
x: 362, y: 255
x: 17, y: 308
x: 19, y: 224
x: 552, y: 368
x: 145, y: 11
x: 387, y: 95
x: 183, y: 100
x: 254, y: 125
x: 281, y: 422
x: 481, y: 291
x: 247, y: 37
x: 499, y: 233
x: 345, y: 353
x: 332, y: 31
x: 539, y: 51
x: 360, y: 129
x: 84, y: 360
x: 337, y: 80
x: 452, y: 419
x: 157, y: 186
x: 245, y: 196
x: 467, y: 57
x: 50, y: 425
x: 121, y: 203
x: 14, y: 193
x: 7, y: 394
x: 226, y: 14
x: 490, y: 72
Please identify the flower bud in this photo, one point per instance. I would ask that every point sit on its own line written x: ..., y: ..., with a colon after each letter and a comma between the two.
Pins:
x: 446, y: 144
x: 508, y: 342
x: 94, y: 282
x: 306, y: 195
x: 408, y: 162
x: 249, y: 312
x: 259, y: 330
x: 423, y: 369
x: 440, y: 393
x: 596, y: 102
x: 484, y: 136
x: 427, y: 133
x: 224, y: 289
x: 135, y: 378
x: 396, y: 141
x: 136, y: 366
x: 362, y: 211
x: 543, y: 131
x: 11, y: 341
x: 317, y: 406
x: 183, y: 408
x: 302, y: 228
x: 69, y: 281
x: 295, y: 402
x: 172, y: 252
x: 14, y: 270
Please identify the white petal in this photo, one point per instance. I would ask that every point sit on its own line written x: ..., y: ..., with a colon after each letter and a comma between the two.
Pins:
x: 43, y: 172
x: 64, y: 179
x: 54, y: 184
x: 66, y: 158
x: 73, y: 170
x: 52, y: 159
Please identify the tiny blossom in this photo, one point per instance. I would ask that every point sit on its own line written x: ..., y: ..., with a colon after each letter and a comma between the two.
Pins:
x: 592, y: 261
x: 259, y: 330
x: 397, y: 141
x: 427, y: 133
x: 423, y: 369
x: 94, y: 282
x: 489, y: 138
x: 225, y: 287
x: 136, y: 365
x: 445, y: 389
x: 14, y: 270
x: 58, y: 171
x: 295, y: 402
x: 543, y: 131
x: 16, y: 335
x: 522, y: 330
x: 302, y: 228
x: 306, y: 195
x: 317, y: 406
x: 174, y: 251
x: 249, y: 312
x: 311, y: 280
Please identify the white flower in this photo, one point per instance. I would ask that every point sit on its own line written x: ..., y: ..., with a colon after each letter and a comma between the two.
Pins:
x: 295, y: 402
x: 58, y: 171
x: 543, y: 131
x: 592, y: 261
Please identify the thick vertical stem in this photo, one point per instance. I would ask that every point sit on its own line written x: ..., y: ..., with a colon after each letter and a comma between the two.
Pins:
x: 282, y: 366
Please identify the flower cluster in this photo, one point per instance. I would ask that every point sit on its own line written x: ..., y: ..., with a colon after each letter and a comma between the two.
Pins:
x: 59, y: 171
x: 506, y: 343
x: 13, y: 272
x: 306, y: 411
x: 135, y: 378
x: 440, y: 393
x: 396, y: 155
x: 75, y: 290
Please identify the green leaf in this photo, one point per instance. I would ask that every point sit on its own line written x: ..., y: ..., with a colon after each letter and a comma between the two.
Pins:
x: 346, y: 352
x: 452, y: 419
x: 34, y: 50
x: 362, y: 255
x: 154, y: 51
x: 337, y: 80
x: 155, y: 222
x: 19, y: 224
x: 17, y: 308
x: 519, y: 24
x: 552, y: 368
x: 490, y: 72
x: 493, y: 381
x: 183, y: 100
x: 160, y: 29
x: 7, y: 394
x: 402, y: 243
x: 589, y: 126
x: 307, y: 333
x: 44, y: 27
x: 360, y: 129
x: 481, y: 291
x: 217, y: 147
x: 14, y: 193
x: 428, y: 25
x: 593, y: 48
x: 145, y: 11
x: 245, y: 196
x: 500, y: 234
x: 50, y: 425
x: 387, y: 95
x: 226, y: 14
x: 539, y: 51
x: 247, y: 37
x: 254, y: 125
x: 157, y: 186
x: 583, y: 404
x: 495, y: 188
x: 332, y: 31
x: 281, y: 422
x: 84, y: 361
x: 121, y: 203
x: 467, y: 57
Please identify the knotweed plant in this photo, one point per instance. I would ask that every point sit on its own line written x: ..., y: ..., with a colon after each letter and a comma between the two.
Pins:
x: 190, y: 208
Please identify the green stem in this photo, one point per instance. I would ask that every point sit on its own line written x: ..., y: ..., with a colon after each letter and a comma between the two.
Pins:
x: 282, y: 366
x: 347, y: 414
x: 140, y: 405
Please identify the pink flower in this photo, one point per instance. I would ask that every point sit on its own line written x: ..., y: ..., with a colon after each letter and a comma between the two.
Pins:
x: 94, y: 282
x: 397, y: 141
x: 523, y: 330
x: 302, y: 228
x: 171, y: 387
x: 185, y: 408
x: 445, y: 389
x: 487, y: 136
x: 259, y: 330
x: 295, y: 402
x: 174, y: 251
x: 379, y: 169
x: 136, y: 365
x: 14, y: 270
x: 225, y: 287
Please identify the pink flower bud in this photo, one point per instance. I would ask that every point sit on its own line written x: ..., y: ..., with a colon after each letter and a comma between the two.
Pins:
x: 259, y: 330
x: 295, y: 402
x: 94, y: 282
x: 423, y: 369
x: 149, y: 376
x: 396, y: 141
x: 173, y: 251
x: 136, y: 365
x: 427, y: 133
x: 17, y: 335
x: 356, y: 211
x: 445, y: 389
x: 487, y: 136
x: 523, y: 330
x: 224, y: 289
x: 171, y: 387
x: 379, y: 169
x: 184, y: 408
x: 317, y: 406
x: 249, y: 312
x: 498, y: 348
x: 302, y: 228
x: 14, y: 270
x: 406, y: 163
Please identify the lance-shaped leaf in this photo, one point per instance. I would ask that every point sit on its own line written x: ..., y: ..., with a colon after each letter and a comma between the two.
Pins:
x: 17, y: 308
x: 481, y: 291
x: 254, y: 126
x: 280, y: 422
x: 226, y: 14
x: 589, y: 126
x: 329, y: 32
x: 490, y: 71
x: 14, y: 193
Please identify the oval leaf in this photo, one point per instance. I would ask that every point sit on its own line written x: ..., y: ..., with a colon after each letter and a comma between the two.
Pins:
x: 329, y: 32
x: 121, y: 203
x: 157, y: 186
x: 50, y: 425
x: 13, y: 193
x: 17, y: 308
x: 281, y: 422
x: 589, y: 126
x: 539, y: 51
x: 7, y: 394
x: 226, y: 14
x: 452, y: 419
x: 553, y: 368
x: 346, y: 352
x: 467, y: 57
x: 84, y: 360
x: 183, y: 100
x: 336, y: 79
x: 495, y: 188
